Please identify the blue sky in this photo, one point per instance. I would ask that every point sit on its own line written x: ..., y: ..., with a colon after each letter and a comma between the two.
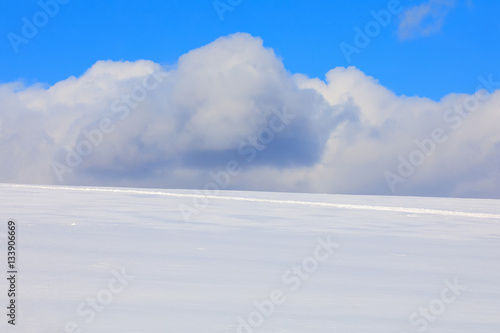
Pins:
x: 305, y: 34
x: 369, y: 97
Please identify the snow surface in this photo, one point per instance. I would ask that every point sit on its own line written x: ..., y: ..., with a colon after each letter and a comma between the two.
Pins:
x: 397, y: 256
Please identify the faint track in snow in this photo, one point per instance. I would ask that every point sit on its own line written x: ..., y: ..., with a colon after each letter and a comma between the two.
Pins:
x: 283, y: 202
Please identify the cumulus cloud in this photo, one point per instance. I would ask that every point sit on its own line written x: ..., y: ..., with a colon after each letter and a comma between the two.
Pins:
x: 424, y: 19
x: 232, y: 101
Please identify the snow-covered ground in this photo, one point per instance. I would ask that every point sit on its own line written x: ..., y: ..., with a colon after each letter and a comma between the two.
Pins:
x: 125, y: 260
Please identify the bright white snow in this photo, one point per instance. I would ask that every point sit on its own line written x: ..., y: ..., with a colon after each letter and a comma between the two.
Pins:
x: 124, y: 260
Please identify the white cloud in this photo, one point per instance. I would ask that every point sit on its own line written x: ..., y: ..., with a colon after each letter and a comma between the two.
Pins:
x: 424, y: 19
x: 347, y: 131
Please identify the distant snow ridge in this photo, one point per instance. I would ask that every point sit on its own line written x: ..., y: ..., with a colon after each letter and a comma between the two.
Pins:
x: 283, y: 202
